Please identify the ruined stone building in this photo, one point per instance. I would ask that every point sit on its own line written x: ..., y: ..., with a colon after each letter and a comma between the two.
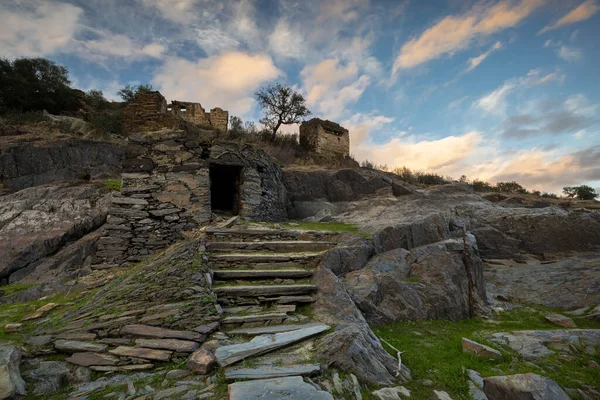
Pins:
x: 149, y: 112
x: 174, y: 182
x: 325, y: 137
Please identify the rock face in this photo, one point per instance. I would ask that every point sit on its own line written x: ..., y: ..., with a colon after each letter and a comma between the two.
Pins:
x: 571, y: 282
x: 312, y: 191
x: 11, y: 383
x: 33, y: 160
x: 428, y: 282
x: 38, y: 222
x: 522, y: 387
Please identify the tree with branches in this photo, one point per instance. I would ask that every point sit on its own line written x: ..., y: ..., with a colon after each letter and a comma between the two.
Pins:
x: 281, y: 106
x: 128, y: 92
x: 583, y: 192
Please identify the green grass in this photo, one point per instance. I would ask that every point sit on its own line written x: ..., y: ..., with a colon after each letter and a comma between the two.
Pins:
x: 433, y: 351
x: 9, y: 290
x: 112, y: 184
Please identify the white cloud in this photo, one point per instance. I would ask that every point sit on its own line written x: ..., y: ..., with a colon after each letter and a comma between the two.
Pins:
x: 495, y: 102
x: 362, y: 126
x: 475, y: 61
x: 332, y: 86
x: 456, y: 33
x: 582, y: 12
x: 228, y: 80
x: 569, y: 53
x: 42, y: 29
x: 455, y: 103
x: 286, y: 41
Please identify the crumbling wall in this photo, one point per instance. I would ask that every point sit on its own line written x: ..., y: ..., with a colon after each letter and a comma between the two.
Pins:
x: 325, y: 137
x: 165, y: 191
x: 149, y: 112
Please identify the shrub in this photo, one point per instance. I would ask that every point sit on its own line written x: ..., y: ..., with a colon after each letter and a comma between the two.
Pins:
x: 108, y: 121
x: 547, y: 195
x: 482, y: 186
x: 583, y: 192
x: 510, y: 187
x: 128, y: 92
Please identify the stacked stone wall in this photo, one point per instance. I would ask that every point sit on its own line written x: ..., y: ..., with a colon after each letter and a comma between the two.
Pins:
x: 219, y: 119
x: 165, y: 191
x: 325, y: 137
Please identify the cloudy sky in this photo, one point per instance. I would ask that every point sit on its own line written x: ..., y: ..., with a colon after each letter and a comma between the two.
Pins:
x: 496, y: 90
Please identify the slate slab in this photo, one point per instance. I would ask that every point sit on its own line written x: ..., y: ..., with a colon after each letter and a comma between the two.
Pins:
x: 160, y: 333
x: 272, y: 372
x: 181, y: 346
x: 271, y: 329
x: 471, y: 346
x: 140, y: 352
x: 88, y: 359
x: 292, y: 387
x: 228, y: 355
x: 74, y: 346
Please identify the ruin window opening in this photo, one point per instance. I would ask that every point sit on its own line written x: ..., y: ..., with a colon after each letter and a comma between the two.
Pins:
x: 225, y: 183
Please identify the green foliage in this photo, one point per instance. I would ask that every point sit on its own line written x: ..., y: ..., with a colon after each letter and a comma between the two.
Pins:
x: 510, y: 187
x: 482, y: 186
x: 582, y: 192
x: 11, y: 289
x: 13, y: 117
x: 108, y: 122
x: 281, y: 106
x: 547, y: 195
x: 128, y: 92
x: 29, y: 84
x: 112, y: 184
x: 417, y: 177
x: 433, y: 351
x: 96, y: 100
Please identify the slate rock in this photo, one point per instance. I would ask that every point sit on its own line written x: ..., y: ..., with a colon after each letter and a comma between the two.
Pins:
x: 561, y: 320
x: 160, y: 333
x: 73, y: 346
x: 11, y: 383
x: 88, y: 359
x: 140, y: 352
x: 522, y: 387
x: 292, y: 387
x: 49, y: 376
x: 181, y: 346
x: 470, y: 346
x: 392, y: 393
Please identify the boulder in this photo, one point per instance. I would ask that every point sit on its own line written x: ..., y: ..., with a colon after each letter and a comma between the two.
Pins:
x: 427, y: 282
x: 522, y: 387
x: 11, y: 383
x: 201, y: 361
x: 561, y: 320
x: 470, y: 346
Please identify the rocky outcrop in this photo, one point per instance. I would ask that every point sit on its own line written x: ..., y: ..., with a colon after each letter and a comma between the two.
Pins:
x: 11, y: 383
x: 311, y: 191
x: 571, y: 282
x: 352, y: 346
x: 427, y: 282
x: 38, y: 222
x: 32, y: 160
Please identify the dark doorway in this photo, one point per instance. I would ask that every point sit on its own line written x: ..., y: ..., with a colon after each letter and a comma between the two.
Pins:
x: 225, y: 188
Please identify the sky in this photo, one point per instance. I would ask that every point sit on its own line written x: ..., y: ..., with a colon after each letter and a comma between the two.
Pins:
x: 494, y: 90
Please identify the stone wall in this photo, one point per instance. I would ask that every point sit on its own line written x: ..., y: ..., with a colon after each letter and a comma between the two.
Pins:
x: 166, y: 191
x: 325, y: 137
x: 150, y: 112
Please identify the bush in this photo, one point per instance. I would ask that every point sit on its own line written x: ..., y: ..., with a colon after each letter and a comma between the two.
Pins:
x: 510, y: 187
x: 547, y: 195
x: 129, y: 92
x: 35, y: 84
x: 583, y: 192
x: 482, y: 186
x: 108, y: 122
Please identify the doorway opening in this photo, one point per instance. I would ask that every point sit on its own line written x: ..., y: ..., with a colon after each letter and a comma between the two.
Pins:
x: 225, y: 188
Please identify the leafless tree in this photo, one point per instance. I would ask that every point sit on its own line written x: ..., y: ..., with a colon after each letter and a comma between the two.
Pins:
x: 281, y: 106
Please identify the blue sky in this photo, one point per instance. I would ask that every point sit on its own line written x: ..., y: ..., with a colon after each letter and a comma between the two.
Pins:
x: 496, y: 90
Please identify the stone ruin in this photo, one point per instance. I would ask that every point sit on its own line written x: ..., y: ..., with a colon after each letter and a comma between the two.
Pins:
x: 174, y: 182
x: 149, y: 112
x: 325, y: 137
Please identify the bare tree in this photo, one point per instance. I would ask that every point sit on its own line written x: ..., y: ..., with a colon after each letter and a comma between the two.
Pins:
x: 281, y: 106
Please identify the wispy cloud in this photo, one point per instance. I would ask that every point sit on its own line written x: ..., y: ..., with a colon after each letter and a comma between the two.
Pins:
x: 475, y: 61
x: 582, y: 12
x: 496, y: 103
x: 456, y: 33
x: 567, y: 53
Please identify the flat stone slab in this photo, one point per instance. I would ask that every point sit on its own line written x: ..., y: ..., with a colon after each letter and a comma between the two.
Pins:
x: 122, y: 368
x: 272, y: 372
x: 182, y: 346
x: 292, y: 387
x: 560, y: 320
x: 253, y: 318
x: 74, y: 346
x: 261, y: 273
x: 271, y: 329
x: 228, y: 355
x: 160, y: 333
x: 532, y: 344
x: 89, y: 359
x: 471, y: 346
x: 140, y: 352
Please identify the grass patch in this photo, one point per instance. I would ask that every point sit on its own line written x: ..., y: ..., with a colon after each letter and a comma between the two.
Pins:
x: 433, y: 351
x: 9, y: 290
x: 112, y: 184
x: 412, y: 279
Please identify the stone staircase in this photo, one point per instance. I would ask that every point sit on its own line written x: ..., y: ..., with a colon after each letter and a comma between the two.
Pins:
x: 262, y: 282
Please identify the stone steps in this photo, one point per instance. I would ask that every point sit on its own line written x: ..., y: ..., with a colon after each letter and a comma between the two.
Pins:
x: 264, y: 290
x: 263, y: 260
x: 224, y: 274
x: 279, y: 246
x: 252, y: 235
x: 271, y: 329
x: 253, y: 318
